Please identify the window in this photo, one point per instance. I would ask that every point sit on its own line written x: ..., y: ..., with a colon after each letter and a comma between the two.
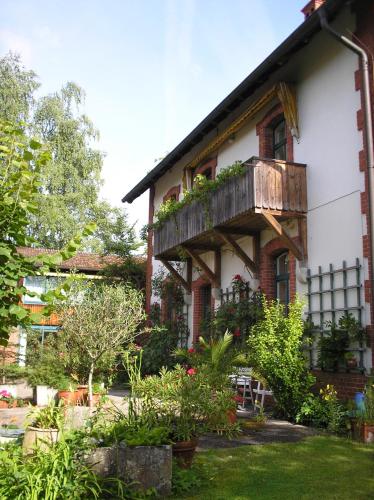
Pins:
x: 206, y: 302
x: 37, y: 335
x: 280, y: 141
x: 282, y: 279
x: 39, y: 285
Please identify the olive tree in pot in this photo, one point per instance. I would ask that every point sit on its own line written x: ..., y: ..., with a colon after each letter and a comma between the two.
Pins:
x: 98, y: 321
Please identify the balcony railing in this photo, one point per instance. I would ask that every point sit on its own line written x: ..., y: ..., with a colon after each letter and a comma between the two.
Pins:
x: 276, y: 186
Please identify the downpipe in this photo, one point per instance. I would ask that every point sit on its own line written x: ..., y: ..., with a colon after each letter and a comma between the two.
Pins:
x: 368, y: 124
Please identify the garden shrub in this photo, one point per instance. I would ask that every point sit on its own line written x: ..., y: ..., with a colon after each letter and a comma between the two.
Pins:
x: 324, y: 411
x: 275, y: 352
x: 158, y: 349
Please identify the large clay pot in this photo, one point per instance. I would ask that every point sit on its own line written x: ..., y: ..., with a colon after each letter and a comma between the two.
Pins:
x: 231, y: 416
x: 184, y: 452
x: 82, y: 394
x: 368, y: 433
x: 43, y: 438
x: 67, y: 397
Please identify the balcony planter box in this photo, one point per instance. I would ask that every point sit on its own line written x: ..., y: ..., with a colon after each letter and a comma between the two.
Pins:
x: 44, y: 395
x: 40, y: 437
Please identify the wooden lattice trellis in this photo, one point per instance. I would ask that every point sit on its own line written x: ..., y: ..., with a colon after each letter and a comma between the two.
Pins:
x: 334, y: 293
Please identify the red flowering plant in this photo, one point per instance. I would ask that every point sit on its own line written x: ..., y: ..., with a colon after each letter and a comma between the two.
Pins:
x: 238, y: 283
x: 235, y: 316
x: 6, y: 398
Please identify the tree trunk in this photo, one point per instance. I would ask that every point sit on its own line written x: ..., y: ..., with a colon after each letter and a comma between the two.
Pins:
x: 90, y: 376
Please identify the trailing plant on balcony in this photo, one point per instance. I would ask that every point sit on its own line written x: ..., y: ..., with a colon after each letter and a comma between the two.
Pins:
x: 201, y: 191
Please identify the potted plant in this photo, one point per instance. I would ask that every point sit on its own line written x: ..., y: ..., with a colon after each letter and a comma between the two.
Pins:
x: 366, y: 414
x: 350, y: 360
x: 45, y: 379
x: 44, y: 427
x: 7, y: 400
x: 67, y: 393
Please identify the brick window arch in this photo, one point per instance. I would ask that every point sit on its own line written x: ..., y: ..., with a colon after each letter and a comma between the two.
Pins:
x: 173, y: 193
x: 207, y: 168
x: 268, y: 271
x: 265, y: 130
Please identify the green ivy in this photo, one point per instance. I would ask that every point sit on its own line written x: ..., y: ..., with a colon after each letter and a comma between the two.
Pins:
x: 201, y: 191
x: 21, y: 164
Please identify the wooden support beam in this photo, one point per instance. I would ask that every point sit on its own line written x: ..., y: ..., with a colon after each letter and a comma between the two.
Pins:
x: 303, y: 235
x: 282, y: 233
x: 238, y: 251
x: 177, y: 276
x: 200, y: 263
x: 236, y: 231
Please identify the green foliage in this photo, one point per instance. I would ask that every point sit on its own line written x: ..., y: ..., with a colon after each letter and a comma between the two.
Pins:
x: 133, y: 435
x: 60, y: 473
x: 324, y: 411
x: 97, y: 328
x: 203, y: 187
x: 68, y: 194
x: 158, y: 348
x: 336, y: 340
x: 21, y: 163
x: 275, y: 352
x: 17, y: 87
x: 235, y: 316
x: 50, y: 417
x: 13, y: 372
x: 192, y: 479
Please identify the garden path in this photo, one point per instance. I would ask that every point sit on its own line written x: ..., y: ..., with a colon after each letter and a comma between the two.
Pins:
x: 273, y: 431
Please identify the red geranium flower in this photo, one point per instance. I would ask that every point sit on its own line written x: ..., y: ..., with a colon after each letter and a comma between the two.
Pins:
x: 191, y: 371
x: 191, y: 350
x: 237, y: 333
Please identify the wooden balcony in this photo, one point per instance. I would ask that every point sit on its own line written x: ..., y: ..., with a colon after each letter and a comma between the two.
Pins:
x: 267, y: 193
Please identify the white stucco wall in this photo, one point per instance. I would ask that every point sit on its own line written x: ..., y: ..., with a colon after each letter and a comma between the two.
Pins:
x: 323, y: 73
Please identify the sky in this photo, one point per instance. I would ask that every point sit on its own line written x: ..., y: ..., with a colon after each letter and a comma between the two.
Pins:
x: 151, y: 69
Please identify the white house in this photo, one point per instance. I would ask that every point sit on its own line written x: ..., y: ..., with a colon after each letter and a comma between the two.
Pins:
x: 299, y: 219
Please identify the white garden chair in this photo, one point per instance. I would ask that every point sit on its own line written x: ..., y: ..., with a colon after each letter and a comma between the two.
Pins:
x: 260, y: 392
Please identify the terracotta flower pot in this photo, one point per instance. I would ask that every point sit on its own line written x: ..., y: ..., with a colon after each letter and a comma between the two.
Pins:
x: 351, y: 363
x: 68, y: 397
x: 184, y: 452
x: 231, y: 416
x: 6, y: 404
x: 368, y: 433
x: 82, y: 394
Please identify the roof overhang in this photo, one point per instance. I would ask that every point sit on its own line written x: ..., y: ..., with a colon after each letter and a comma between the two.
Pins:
x: 280, y: 56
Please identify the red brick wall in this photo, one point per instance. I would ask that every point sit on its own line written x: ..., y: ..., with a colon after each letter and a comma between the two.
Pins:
x: 211, y: 163
x: 346, y: 384
x: 265, y: 133
x: 268, y: 254
x: 173, y: 191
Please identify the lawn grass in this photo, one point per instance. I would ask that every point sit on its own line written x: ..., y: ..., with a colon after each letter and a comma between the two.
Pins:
x: 320, y: 467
